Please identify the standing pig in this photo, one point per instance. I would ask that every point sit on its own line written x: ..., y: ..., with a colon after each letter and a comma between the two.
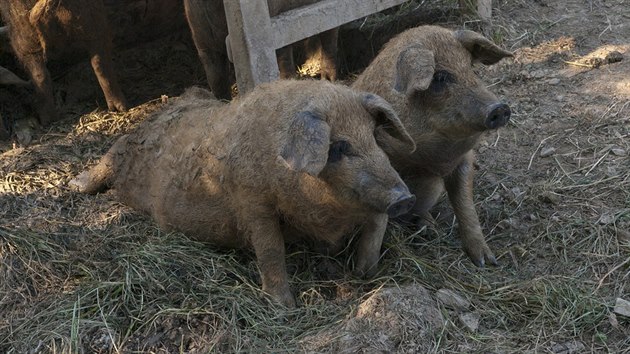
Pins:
x: 426, y: 74
x: 47, y: 29
x: 290, y: 156
x: 208, y: 25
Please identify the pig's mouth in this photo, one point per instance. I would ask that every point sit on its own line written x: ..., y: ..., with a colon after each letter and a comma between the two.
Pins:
x: 401, y: 206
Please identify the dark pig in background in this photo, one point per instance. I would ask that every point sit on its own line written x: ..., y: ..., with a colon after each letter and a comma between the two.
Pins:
x: 291, y: 159
x: 51, y: 29
x: 208, y: 25
x: 426, y: 74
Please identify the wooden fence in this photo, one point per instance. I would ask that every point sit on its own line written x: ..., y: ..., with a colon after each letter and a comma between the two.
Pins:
x: 255, y: 36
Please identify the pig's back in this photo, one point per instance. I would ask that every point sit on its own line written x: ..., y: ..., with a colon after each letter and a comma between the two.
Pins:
x: 169, y: 172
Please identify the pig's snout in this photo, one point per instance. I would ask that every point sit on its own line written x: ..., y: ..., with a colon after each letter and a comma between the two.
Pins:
x: 402, y: 204
x: 498, y: 116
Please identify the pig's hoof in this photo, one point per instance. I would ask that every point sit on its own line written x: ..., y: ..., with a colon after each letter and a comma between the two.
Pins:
x: 364, y: 271
x: 81, y: 183
x: 118, y: 106
x: 481, y: 255
x: 284, y: 298
x: 329, y: 74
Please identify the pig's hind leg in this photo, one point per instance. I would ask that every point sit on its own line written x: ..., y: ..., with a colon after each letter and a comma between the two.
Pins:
x: 99, y: 177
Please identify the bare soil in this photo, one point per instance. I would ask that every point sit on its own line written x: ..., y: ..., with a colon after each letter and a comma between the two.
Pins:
x: 87, y: 274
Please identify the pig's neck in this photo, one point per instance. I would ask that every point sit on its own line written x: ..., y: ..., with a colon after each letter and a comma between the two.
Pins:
x: 437, y: 154
x: 316, y: 210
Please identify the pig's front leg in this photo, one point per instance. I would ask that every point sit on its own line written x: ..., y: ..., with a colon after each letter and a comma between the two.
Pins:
x: 103, y: 67
x: 459, y: 186
x: 42, y: 83
x: 268, y: 242
x: 369, y: 245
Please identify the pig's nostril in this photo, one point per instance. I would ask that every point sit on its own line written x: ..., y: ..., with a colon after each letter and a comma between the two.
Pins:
x: 498, y: 116
x: 401, y: 206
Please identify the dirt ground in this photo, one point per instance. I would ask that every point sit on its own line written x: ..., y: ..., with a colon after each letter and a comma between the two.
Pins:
x: 87, y: 274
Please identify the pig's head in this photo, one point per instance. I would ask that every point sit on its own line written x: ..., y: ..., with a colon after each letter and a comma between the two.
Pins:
x: 337, y: 143
x: 444, y: 94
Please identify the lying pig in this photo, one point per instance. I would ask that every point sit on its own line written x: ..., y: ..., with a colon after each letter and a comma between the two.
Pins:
x: 208, y: 25
x: 50, y: 29
x: 426, y: 74
x: 291, y: 155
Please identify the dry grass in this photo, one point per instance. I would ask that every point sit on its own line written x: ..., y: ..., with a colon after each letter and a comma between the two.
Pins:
x: 87, y: 274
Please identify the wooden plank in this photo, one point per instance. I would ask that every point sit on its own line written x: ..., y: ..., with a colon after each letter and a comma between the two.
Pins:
x: 297, y: 24
x: 251, y: 42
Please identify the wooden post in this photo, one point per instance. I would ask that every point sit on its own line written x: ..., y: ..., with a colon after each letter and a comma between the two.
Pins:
x: 251, y: 43
x: 254, y: 36
x: 483, y: 8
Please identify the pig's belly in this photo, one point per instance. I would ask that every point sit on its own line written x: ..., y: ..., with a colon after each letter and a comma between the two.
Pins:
x: 194, y: 203
x: 203, y: 217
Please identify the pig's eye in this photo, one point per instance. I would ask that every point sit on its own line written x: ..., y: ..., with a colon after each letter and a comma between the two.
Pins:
x: 337, y: 150
x: 441, y: 79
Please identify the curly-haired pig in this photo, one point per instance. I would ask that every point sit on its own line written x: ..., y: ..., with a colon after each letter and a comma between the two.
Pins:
x: 208, y: 25
x: 291, y: 155
x: 426, y: 74
x: 54, y: 29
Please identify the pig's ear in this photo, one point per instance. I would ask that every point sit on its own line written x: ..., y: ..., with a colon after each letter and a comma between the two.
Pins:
x: 306, y: 149
x: 386, y: 119
x: 414, y: 70
x: 480, y: 47
x: 9, y: 78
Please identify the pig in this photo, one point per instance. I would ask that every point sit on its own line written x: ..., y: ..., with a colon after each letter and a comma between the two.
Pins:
x: 40, y: 30
x: 206, y: 19
x: 426, y: 74
x: 293, y: 159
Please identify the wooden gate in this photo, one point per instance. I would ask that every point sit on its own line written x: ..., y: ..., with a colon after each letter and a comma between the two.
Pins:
x: 255, y: 36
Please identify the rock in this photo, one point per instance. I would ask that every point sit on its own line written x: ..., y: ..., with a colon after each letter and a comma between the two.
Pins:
x: 622, y: 307
x: 553, y: 81
x: 614, y: 57
x: 568, y: 347
x: 452, y: 300
x: 469, y: 320
x: 618, y: 151
x: 537, y: 74
x: 546, y: 152
x: 392, y: 320
x: 606, y: 219
x: 551, y: 197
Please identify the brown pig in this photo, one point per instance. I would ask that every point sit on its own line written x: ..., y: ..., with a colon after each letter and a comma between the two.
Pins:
x: 426, y: 74
x: 208, y: 25
x: 289, y: 156
x: 51, y: 29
